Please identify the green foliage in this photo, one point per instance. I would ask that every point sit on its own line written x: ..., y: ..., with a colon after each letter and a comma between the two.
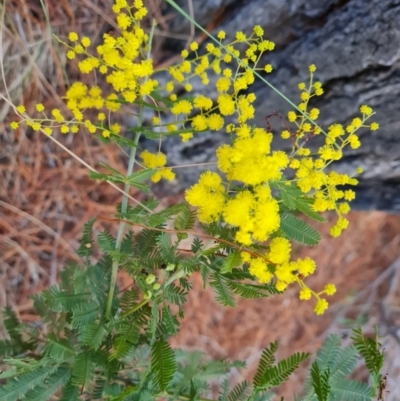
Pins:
x: 127, y: 336
x: 374, y: 358
x: 266, y: 361
x: 135, y: 179
x: 224, y: 294
x: 53, y: 383
x: 231, y: 261
x: 186, y: 219
x: 86, y: 243
x: 279, y: 373
x: 83, y: 370
x: 17, y: 388
x: 298, y: 230
x: 320, y: 382
x: 369, y: 349
x: 294, y: 199
x: 92, y: 354
x: 328, y: 375
x: 163, y: 363
x: 241, y: 392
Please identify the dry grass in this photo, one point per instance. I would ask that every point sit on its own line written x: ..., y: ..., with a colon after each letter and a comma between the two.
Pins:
x: 46, y: 197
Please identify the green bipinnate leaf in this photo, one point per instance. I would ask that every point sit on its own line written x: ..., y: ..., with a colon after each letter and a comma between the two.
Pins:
x: 163, y: 363
x: 231, y: 261
x: 298, y: 230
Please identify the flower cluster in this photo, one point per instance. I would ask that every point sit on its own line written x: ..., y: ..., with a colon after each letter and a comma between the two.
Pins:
x: 254, y: 211
x: 286, y: 271
x: 245, y: 200
x: 157, y: 161
x: 310, y: 166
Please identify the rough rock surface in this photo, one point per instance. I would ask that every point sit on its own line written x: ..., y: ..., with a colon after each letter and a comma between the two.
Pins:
x: 356, y: 47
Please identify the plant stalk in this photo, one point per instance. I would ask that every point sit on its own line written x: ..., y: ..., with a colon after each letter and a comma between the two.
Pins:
x: 124, y: 203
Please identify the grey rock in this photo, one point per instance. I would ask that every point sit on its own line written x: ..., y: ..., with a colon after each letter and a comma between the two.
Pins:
x: 356, y: 47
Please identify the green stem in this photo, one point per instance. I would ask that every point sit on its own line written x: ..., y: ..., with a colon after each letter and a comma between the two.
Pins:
x: 135, y: 308
x: 124, y: 203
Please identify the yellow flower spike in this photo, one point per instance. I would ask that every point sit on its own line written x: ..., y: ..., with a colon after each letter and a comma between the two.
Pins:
x: 279, y: 251
x: 123, y: 21
x: 312, y: 68
x: 194, y: 46
x: 73, y: 36
x: 245, y: 256
x: 227, y: 58
x: 303, y: 152
x: 221, y: 35
x: 70, y: 54
x: 215, y: 122
x: 304, y: 96
x: 85, y: 41
x: 321, y: 306
x: 14, y: 125
x: 349, y: 195
x: 202, y: 102
x: 305, y: 294
x: 292, y: 117
x: 210, y: 180
x: 342, y: 223
x: 335, y: 231
x: 169, y: 87
x: 137, y: 3
x: 240, y: 36
x: 21, y: 109
x: 186, y: 137
x: 268, y: 68
x: 301, y: 86
x: 168, y: 174
x: 366, y: 110
x: 259, y: 269
x: 140, y: 14
x: 182, y: 107
x: 210, y: 48
x: 302, y: 106
x: 79, y: 49
x: 39, y: 107
x: 314, y: 113
x: 200, y: 123
x: 306, y: 266
x: 319, y: 164
x: 374, y: 126
x: 258, y: 31
x: 281, y: 285
x: 329, y: 289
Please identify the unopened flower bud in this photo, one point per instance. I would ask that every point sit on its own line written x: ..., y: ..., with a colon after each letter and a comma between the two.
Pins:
x: 150, y: 279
